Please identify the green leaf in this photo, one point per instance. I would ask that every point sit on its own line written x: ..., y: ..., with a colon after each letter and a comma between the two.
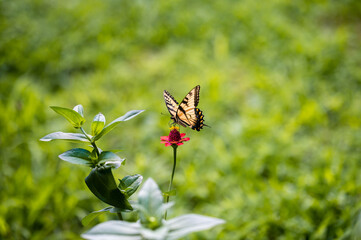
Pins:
x: 77, y: 156
x: 110, y: 159
x: 114, y: 230
x: 74, y: 137
x: 150, y: 196
x: 71, y: 115
x: 79, y: 109
x: 91, y: 216
x: 98, y: 124
x: 185, y: 224
x: 150, y: 202
x: 101, y: 183
x: 130, y: 183
x: 129, y: 115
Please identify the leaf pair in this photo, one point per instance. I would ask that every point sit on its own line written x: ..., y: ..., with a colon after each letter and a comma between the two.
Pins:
x: 84, y: 157
x: 76, y: 118
x: 129, y: 115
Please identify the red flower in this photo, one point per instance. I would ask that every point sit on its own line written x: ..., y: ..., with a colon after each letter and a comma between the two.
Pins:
x: 174, y: 138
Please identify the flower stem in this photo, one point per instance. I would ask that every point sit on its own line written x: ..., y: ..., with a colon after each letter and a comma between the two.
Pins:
x: 171, y: 179
x: 120, y: 216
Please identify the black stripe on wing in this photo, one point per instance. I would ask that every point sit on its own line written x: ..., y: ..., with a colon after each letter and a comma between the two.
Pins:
x: 171, y: 103
x: 191, y: 100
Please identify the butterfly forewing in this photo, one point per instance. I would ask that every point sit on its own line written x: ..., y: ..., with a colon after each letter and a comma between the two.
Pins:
x: 171, y: 103
x: 191, y: 100
x: 185, y: 111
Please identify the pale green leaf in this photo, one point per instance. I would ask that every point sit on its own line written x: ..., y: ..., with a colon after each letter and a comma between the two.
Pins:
x: 186, y: 224
x: 71, y: 115
x: 114, y: 230
x: 97, y: 124
x: 79, y: 109
x: 74, y: 137
x: 110, y: 159
x: 150, y: 199
x: 77, y: 156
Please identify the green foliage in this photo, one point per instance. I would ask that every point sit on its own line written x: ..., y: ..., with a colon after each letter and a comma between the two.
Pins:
x: 71, y: 115
x: 77, y: 156
x: 98, y: 124
x: 107, y: 157
x: 90, y: 217
x: 150, y: 205
x: 129, y: 184
x: 280, y: 88
x: 151, y: 226
x: 101, y: 182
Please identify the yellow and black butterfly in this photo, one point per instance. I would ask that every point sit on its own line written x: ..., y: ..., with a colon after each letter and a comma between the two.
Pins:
x: 186, y: 113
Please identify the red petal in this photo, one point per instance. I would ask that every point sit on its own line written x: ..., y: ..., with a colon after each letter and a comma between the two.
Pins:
x: 183, y: 134
x: 164, y: 138
x: 180, y: 144
x: 167, y: 144
x: 186, y: 139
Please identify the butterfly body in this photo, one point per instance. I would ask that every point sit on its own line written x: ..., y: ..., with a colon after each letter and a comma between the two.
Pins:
x: 186, y: 113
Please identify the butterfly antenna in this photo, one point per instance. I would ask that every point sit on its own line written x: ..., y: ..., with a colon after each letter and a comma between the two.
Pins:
x: 206, y: 125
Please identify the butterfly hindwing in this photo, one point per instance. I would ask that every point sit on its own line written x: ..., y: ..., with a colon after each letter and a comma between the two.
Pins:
x: 199, y: 123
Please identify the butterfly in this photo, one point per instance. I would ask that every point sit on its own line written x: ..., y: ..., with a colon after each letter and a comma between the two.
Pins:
x: 186, y: 113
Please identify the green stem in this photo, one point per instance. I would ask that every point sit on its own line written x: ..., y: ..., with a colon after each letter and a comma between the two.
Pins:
x: 92, y: 143
x: 120, y: 216
x: 173, y: 171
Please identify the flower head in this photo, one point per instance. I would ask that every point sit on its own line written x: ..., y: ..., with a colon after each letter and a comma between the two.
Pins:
x: 175, y: 138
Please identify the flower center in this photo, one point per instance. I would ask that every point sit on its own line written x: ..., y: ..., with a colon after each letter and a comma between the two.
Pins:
x: 174, y: 136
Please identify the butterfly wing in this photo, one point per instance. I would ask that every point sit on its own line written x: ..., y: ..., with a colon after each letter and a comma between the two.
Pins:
x: 191, y: 100
x: 171, y: 103
x: 187, y: 113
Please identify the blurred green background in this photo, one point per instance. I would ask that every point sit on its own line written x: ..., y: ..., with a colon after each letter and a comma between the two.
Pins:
x: 280, y: 87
